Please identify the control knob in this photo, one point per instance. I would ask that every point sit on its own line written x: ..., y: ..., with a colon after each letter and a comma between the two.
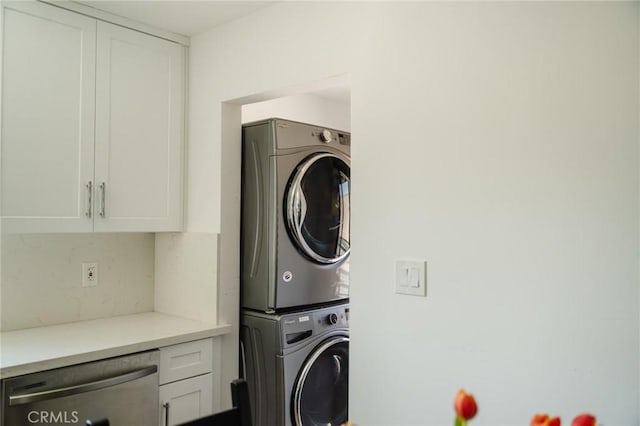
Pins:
x: 325, y: 136
x: 332, y: 318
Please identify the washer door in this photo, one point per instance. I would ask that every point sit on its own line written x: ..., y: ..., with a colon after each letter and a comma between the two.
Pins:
x: 318, y: 207
x: 321, y: 393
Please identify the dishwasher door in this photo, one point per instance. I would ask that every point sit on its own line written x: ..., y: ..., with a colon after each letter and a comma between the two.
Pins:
x: 123, y: 390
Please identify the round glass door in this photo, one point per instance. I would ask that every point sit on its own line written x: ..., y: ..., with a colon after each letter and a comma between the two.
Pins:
x: 321, y: 392
x: 318, y: 207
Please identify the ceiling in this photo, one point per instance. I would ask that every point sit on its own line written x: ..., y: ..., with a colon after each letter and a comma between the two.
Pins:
x: 186, y: 17
x: 192, y: 17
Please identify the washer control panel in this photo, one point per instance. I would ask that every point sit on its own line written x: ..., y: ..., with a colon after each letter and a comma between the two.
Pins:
x: 299, y: 326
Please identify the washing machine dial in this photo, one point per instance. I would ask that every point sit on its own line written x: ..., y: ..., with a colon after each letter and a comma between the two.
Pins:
x: 332, y: 319
x: 325, y: 136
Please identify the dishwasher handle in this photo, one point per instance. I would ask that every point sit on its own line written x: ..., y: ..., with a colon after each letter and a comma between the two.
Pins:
x: 101, y: 422
x: 82, y: 388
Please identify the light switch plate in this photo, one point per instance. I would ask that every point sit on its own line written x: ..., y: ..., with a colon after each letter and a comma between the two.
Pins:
x: 411, y: 277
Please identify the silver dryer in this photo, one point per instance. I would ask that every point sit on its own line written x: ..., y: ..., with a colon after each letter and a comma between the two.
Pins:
x: 296, y: 190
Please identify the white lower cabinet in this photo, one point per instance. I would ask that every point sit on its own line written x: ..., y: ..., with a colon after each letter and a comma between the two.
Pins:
x: 189, y: 381
x: 186, y: 400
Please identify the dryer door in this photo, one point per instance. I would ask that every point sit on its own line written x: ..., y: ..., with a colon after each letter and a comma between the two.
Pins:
x: 321, y: 393
x: 318, y: 207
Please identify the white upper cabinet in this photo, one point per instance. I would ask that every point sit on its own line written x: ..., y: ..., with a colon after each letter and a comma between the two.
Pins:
x: 92, y: 125
x: 48, y: 102
x: 139, y: 119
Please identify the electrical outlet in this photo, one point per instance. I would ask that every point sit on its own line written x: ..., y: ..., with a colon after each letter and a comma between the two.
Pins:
x: 90, y: 274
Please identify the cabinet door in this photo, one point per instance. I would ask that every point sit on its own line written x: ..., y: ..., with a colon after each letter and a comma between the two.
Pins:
x: 139, y: 131
x: 186, y: 400
x: 48, y: 78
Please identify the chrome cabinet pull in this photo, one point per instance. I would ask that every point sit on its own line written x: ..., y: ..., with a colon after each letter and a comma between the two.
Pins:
x: 89, y: 186
x: 166, y: 413
x: 103, y: 198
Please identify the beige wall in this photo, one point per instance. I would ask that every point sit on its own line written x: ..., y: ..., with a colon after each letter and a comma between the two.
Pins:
x: 498, y: 141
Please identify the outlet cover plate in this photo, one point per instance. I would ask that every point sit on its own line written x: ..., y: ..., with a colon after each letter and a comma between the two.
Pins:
x: 89, y: 274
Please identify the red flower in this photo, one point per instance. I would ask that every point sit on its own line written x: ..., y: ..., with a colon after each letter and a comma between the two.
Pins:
x: 584, y: 419
x: 553, y: 421
x: 545, y: 420
x: 465, y: 405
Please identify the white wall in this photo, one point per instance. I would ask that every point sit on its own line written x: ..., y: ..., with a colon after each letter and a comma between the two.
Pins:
x: 186, y: 270
x: 42, y: 277
x: 305, y: 108
x: 499, y: 141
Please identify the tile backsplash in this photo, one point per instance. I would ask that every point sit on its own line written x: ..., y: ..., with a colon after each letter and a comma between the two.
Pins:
x: 42, y: 277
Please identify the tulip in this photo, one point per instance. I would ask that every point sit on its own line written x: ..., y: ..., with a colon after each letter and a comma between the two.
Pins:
x: 553, y: 421
x: 584, y: 419
x: 545, y: 420
x: 465, y: 405
x: 539, y: 419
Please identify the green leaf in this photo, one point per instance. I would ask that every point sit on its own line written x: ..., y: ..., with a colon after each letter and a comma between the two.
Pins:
x: 460, y: 421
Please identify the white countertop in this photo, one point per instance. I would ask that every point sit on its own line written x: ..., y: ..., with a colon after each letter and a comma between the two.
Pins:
x: 42, y: 348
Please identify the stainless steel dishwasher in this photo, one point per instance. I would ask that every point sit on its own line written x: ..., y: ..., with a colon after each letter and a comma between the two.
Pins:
x: 123, y: 390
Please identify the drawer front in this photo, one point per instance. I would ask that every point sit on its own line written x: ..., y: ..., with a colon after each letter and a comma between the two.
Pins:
x: 186, y: 400
x: 185, y: 360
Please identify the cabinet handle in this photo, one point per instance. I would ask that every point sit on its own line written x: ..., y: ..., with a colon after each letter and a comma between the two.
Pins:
x: 87, y: 213
x: 166, y: 413
x: 103, y: 198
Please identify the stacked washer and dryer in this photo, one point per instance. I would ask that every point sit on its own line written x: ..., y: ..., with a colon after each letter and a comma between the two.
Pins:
x: 296, y: 191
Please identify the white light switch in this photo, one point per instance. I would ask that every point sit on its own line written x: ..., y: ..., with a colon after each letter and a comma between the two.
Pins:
x: 411, y: 277
x: 414, y: 277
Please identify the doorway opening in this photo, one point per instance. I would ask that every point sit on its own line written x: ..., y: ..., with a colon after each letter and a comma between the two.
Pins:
x: 323, y: 103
